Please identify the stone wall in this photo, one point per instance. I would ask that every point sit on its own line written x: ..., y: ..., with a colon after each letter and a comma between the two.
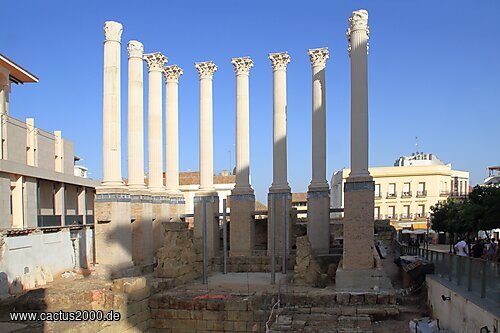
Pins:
x: 30, y: 260
x: 384, y: 232
x: 182, y: 313
x: 311, y: 270
x: 177, y: 258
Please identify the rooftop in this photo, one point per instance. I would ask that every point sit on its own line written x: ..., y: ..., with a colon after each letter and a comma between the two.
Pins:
x: 18, y: 74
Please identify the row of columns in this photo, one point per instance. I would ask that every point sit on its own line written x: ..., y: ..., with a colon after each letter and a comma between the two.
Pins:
x: 318, y: 192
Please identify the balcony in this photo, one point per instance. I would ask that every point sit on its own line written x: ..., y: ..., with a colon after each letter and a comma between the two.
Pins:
x: 378, y: 196
x: 406, y: 216
x: 444, y: 193
x: 49, y: 221
x: 73, y: 220
x: 406, y: 194
x: 89, y: 219
x: 421, y: 194
x: 421, y: 216
x: 391, y: 216
x: 392, y: 195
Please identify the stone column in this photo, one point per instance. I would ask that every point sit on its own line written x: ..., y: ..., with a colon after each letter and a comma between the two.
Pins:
x: 4, y: 98
x: 242, y: 231
x: 206, y: 71
x: 113, y: 231
x: 140, y: 198
x: 112, y: 175
x: 318, y: 198
x: 175, y: 197
x: 279, y: 187
x: 135, y: 116
x: 359, y: 187
x: 155, y: 63
x: 207, y: 191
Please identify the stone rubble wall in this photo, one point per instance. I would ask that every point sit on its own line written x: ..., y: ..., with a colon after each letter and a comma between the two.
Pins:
x: 177, y: 257
x: 177, y: 311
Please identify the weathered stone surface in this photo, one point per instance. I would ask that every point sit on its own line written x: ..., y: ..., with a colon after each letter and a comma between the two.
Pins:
x: 177, y: 258
x: 307, y: 269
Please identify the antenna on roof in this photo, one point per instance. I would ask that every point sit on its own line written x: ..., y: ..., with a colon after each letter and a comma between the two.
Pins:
x: 416, y: 144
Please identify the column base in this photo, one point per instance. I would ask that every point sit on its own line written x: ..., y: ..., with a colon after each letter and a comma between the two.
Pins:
x: 242, y: 227
x: 212, y: 223
x: 359, y: 205
x: 280, y: 188
x: 282, y: 210
x: 318, y: 220
x: 113, y: 232
x: 142, y: 228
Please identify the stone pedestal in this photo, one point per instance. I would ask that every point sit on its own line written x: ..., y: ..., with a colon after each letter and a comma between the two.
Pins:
x: 318, y: 220
x: 212, y: 223
x: 113, y: 231
x: 176, y: 207
x: 280, y: 210
x: 160, y: 208
x: 142, y: 228
x: 358, y: 223
x: 242, y: 231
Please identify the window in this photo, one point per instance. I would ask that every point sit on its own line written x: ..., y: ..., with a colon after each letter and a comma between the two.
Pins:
x: 391, y: 193
x: 421, y: 190
x: 421, y: 211
x: 377, y: 190
x: 391, y: 212
x: 406, y: 190
x: 406, y: 212
x: 377, y: 213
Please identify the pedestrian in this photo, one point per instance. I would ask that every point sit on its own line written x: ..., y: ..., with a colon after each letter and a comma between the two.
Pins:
x: 491, y: 249
x: 478, y: 249
x: 461, y: 248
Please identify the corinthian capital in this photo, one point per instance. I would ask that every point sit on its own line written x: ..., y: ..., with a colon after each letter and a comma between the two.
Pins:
x: 319, y: 56
x: 113, y: 31
x: 172, y: 72
x: 358, y: 20
x: 155, y: 61
x: 279, y: 60
x: 242, y: 65
x: 206, y: 69
x: 135, y: 49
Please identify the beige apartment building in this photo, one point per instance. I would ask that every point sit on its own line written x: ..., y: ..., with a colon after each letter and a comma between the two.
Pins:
x: 38, y: 186
x: 46, y: 212
x: 405, y: 192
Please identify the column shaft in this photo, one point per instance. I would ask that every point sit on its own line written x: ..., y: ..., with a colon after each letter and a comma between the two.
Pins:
x: 318, y: 127
x: 155, y: 147
x: 279, y: 62
x: 359, y: 103
x: 206, y: 135
x: 111, y: 106
x: 135, y: 116
x: 172, y: 136
x: 242, y: 133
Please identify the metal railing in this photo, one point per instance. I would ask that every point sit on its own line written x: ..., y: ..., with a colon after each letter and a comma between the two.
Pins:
x: 422, y: 193
x: 481, y: 277
x: 49, y: 220
x: 73, y: 220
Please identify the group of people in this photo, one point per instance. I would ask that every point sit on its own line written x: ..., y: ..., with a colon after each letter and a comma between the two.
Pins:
x: 482, y: 249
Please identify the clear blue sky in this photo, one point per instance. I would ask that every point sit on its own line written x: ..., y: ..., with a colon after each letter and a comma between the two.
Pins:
x: 434, y: 72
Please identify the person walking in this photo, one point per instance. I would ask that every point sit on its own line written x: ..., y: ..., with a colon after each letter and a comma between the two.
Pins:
x: 461, y: 248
